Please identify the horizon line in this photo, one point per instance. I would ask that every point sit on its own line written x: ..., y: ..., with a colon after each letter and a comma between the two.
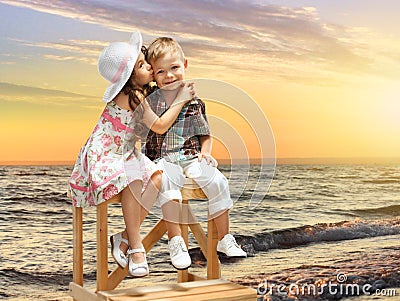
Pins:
x: 278, y: 161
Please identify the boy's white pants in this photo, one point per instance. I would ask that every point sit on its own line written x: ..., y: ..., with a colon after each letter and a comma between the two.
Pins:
x: 213, y: 183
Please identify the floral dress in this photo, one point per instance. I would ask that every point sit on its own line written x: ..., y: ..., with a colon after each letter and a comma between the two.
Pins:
x: 108, y: 161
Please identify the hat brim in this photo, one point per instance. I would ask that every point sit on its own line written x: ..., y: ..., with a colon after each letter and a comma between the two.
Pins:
x: 114, y: 88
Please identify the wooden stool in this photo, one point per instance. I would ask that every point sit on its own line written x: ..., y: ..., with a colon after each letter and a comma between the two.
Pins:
x: 105, y: 282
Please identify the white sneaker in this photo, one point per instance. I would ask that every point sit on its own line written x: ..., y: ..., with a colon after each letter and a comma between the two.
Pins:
x: 229, y: 247
x: 179, y: 254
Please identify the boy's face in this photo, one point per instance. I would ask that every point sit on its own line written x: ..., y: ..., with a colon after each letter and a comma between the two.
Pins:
x: 169, y: 69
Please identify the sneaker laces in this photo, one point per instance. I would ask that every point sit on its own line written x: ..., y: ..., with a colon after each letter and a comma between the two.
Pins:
x: 231, y: 242
x: 177, y: 247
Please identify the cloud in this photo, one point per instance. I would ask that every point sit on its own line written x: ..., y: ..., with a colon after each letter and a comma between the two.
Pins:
x: 247, y: 37
x: 86, y: 51
x: 20, y: 93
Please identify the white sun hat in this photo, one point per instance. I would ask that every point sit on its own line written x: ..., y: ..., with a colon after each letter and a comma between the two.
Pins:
x: 116, y: 63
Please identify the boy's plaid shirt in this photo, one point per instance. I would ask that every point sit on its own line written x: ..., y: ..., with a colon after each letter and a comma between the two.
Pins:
x: 181, y: 142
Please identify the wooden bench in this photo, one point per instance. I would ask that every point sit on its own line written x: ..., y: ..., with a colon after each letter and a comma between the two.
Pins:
x: 106, y: 283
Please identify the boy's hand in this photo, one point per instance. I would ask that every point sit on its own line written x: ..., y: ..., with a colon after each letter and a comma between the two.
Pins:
x: 209, y: 159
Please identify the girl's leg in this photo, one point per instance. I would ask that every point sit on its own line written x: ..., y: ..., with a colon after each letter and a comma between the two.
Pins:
x: 147, y: 200
x: 131, y: 209
x: 150, y: 194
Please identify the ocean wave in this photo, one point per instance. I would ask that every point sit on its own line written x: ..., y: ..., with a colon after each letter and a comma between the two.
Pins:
x: 324, y: 232
x: 13, y: 277
x: 28, y: 173
x: 383, y: 181
x: 393, y: 210
x: 304, y: 235
x: 36, y: 198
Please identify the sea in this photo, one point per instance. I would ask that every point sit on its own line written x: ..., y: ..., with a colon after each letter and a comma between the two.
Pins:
x: 312, y: 232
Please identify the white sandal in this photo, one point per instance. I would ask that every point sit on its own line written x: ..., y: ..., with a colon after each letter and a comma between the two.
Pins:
x: 138, y: 269
x: 116, y: 241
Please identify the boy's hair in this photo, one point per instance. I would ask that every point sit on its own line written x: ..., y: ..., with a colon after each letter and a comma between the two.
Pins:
x: 161, y: 46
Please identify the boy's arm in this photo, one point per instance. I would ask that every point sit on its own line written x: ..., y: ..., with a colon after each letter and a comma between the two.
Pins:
x: 206, y: 147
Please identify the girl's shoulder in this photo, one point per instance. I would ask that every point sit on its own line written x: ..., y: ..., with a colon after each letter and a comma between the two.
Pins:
x: 121, y: 101
x: 114, y: 109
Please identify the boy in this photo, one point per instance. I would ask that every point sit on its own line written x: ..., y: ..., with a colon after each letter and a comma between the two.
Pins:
x: 186, y: 151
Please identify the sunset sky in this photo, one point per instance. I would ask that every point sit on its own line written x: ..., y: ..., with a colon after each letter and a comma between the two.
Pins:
x: 326, y: 74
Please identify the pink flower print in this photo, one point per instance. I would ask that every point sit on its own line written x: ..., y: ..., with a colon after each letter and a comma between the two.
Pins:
x: 75, y: 175
x: 96, y: 128
x: 106, y: 140
x: 90, y: 199
x: 117, y: 125
x: 117, y: 140
x: 105, y: 160
x: 103, y: 168
x: 105, y: 112
x: 109, y: 191
x: 85, y: 163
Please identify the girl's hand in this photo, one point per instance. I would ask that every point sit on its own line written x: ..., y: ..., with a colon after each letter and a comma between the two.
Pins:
x: 186, y: 92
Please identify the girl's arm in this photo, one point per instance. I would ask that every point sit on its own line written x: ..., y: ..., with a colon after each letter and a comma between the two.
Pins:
x: 161, y: 124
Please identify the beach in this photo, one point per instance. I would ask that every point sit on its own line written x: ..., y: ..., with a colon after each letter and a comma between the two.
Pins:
x: 317, y: 228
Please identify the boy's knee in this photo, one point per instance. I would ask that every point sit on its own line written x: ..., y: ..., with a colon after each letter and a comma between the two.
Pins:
x: 219, y: 180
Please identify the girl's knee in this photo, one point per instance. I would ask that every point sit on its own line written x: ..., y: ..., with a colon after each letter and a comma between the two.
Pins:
x: 156, y: 179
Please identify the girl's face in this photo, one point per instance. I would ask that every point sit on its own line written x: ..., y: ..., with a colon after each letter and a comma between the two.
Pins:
x: 143, y: 74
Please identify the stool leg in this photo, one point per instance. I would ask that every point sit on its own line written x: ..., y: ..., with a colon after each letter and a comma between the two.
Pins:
x: 213, y: 268
x: 77, y: 242
x: 183, y: 275
x: 102, y: 246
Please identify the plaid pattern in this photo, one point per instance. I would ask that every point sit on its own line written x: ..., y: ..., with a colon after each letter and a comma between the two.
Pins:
x: 182, y: 141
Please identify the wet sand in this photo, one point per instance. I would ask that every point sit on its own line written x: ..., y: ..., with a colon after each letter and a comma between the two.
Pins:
x: 365, y: 274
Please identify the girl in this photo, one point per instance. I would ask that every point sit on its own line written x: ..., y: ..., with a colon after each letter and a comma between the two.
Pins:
x: 109, y: 163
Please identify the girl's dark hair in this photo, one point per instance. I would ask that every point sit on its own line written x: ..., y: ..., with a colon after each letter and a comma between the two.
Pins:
x: 131, y: 89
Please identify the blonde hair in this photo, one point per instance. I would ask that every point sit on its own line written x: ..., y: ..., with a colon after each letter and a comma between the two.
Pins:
x: 161, y: 46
